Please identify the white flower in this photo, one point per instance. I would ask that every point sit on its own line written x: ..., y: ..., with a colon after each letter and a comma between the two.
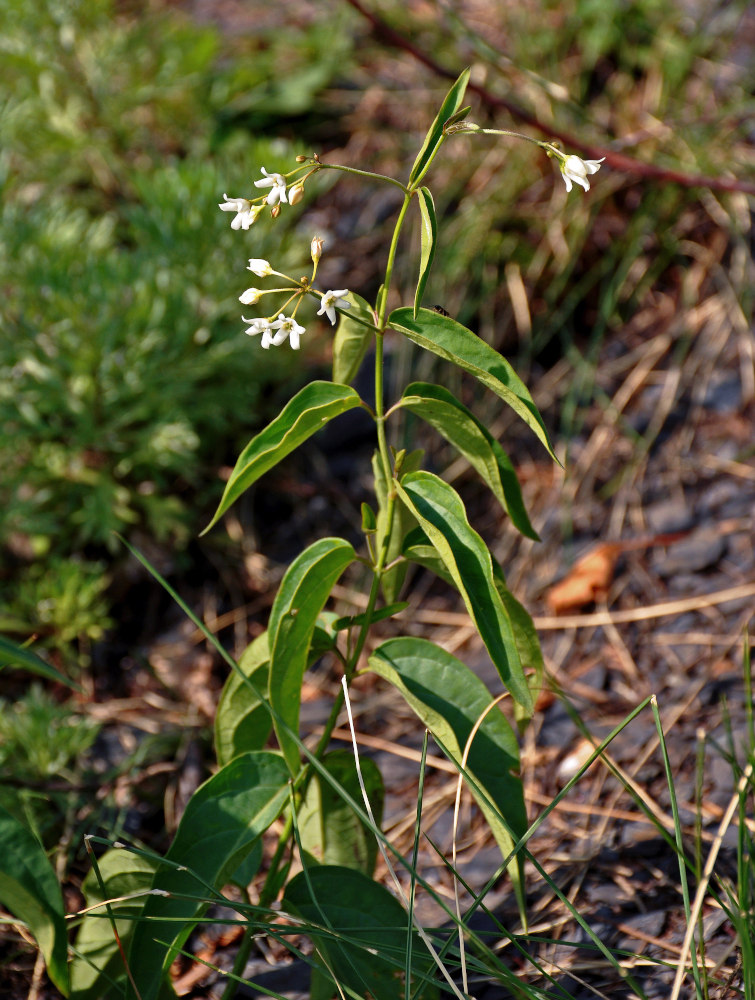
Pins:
x: 259, y: 267
x: 250, y: 297
x: 574, y: 168
x: 286, y: 328
x: 257, y: 326
x: 246, y: 215
x: 331, y: 300
x: 277, y: 185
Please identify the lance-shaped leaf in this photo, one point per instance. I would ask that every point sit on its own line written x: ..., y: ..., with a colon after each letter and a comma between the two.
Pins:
x: 354, y: 333
x: 27, y: 659
x: 450, y: 340
x: 440, y: 512
x: 242, y: 722
x: 300, y: 599
x: 223, y: 821
x: 428, y: 234
x: 97, y: 969
x: 450, y: 699
x: 434, y: 137
x: 330, y: 831
x: 359, y: 929
x: 526, y: 637
x: 467, y: 434
x: 300, y: 418
x: 31, y: 892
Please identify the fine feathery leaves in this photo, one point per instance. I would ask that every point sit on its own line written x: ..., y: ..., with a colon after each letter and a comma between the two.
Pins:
x: 448, y: 339
x: 440, y: 512
x: 309, y: 410
x: 30, y: 890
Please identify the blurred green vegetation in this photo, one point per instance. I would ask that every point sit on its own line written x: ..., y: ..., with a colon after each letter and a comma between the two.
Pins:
x: 125, y: 378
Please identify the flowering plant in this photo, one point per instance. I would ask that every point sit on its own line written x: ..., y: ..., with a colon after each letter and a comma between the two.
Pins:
x: 416, y: 518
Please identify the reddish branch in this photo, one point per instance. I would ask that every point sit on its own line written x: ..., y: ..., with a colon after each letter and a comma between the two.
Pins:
x: 626, y: 164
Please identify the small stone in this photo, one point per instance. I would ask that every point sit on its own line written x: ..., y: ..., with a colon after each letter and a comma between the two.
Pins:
x: 668, y: 515
x: 698, y: 552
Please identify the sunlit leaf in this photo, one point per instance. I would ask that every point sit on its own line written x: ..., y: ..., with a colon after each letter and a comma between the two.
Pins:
x: 448, y: 339
x: 300, y: 599
x: 450, y: 699
x: 441, y: 514
x: 448, y: 109
x: 468, y: 435
x: 428, y: 234
x: 300, y: 418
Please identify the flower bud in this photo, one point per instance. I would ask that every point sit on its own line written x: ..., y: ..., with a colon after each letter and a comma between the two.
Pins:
x: 316, y: 248
x: 275, y: 211
x: 295, y: 193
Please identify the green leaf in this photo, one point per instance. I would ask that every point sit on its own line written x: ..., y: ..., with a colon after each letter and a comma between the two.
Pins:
x: 376, y: 616
x: 300, y: 418
x: 468, y: 435
x: 242, y: 722
x: 441, y: 514
x: 449, y: 699
x: 434, y: 137
x: 97, y: 970
x: 21, y: 656
x: 30, y: 890
x: 369, y: 521
x: 300, y: 599
x: 448, y: 339
x: 393, y: 579
x: 223, y: 821
x: 330, y: 831
x: 419, y: 549
x: 526, y: 638
x: 359, y: 929
x: 428, y: 234
x: 355, y: 330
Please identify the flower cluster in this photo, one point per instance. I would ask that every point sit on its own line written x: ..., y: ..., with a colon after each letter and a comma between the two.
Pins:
x: 247, y: 212
x: 277, y: 331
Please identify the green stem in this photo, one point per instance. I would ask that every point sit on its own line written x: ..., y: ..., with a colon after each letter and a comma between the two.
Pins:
x: 363, y: 173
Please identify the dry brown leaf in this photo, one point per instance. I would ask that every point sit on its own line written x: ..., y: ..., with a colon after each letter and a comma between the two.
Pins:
x: 587, y: 582
x: 591, y: 576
